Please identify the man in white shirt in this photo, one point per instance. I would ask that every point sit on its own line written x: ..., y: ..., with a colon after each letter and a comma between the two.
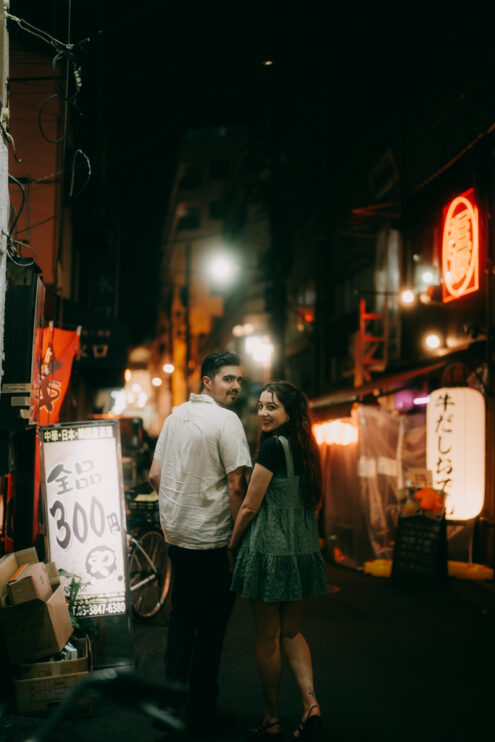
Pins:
x: 199, y: 471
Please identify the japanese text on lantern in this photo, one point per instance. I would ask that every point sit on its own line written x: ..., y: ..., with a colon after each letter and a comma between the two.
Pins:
x: 455, y: 449
x: 444, y: 428
x: 460, y: 247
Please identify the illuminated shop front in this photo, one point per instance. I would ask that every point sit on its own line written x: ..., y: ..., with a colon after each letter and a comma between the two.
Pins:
x: 398, y: 425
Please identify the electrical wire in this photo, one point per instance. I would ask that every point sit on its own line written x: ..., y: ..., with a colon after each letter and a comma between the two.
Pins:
x: 39, y: 33
x: 12, y: 253
x: 82, y: 154
x: 72, y: 64
x: 65, y: 52
x: 69, y: 47
x: 40, y: 124
x: 43, y: 221
x: 23, y: 201
x: 454, y: 159
x: 75, y: 65
x: 12, y: 243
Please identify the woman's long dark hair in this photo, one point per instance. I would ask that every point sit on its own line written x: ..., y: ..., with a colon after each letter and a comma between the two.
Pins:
x: 299, y: 433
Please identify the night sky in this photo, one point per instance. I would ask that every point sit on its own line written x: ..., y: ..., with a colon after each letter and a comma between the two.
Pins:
x: 154, y: 68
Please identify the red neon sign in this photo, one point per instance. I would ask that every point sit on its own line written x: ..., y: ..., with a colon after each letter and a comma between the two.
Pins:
x: 460, y: 247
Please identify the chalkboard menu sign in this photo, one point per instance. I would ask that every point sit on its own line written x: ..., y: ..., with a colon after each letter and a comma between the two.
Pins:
x: 420, y: 551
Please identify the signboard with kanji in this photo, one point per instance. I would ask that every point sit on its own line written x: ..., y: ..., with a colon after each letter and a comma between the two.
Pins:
x: 460, y: 247
x: 85, y: 515
x: 455, y: 449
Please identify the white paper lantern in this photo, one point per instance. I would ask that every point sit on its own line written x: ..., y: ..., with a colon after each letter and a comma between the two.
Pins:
x: 455, y: 449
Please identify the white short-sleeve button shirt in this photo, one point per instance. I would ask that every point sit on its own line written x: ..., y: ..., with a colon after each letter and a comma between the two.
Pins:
x: 200, y: 443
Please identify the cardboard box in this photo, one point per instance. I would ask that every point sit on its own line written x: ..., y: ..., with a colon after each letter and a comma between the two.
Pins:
x: 9, y: 564
x: 51, y: 668
x: 34, y: 629
x: 41, y: 695
x: 32, y: 582
x: 39, y: 686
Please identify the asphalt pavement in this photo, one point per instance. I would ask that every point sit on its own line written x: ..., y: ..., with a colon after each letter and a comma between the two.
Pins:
x: 391, y: 662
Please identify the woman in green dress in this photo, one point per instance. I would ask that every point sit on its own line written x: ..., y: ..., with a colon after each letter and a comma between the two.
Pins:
x: 278, y: 562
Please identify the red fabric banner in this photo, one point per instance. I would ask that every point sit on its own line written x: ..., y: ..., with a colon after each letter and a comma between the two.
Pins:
x: 58, y: 351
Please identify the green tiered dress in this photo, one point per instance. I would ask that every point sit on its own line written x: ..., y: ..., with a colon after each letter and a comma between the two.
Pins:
x: 279, y: 558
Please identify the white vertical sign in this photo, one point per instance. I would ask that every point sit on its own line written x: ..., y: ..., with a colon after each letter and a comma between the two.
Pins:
x: 455, y: 449
x: 85, y: 518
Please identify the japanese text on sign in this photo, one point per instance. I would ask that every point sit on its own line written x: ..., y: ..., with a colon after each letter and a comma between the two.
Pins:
x: 455, y: 448
x: 84, y: 509
x: 444, y: 465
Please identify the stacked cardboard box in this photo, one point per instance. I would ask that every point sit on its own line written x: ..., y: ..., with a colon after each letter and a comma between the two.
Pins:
x: 39, y: 686
x: 35, y: 625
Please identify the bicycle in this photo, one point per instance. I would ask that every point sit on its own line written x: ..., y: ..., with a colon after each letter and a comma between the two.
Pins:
x: 150, y: 569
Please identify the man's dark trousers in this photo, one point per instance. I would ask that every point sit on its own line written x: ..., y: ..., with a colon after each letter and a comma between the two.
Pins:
x: 202, y: 604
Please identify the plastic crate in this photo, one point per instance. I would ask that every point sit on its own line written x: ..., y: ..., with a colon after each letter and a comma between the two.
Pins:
x: 144, y: 502
x: 143, y: 509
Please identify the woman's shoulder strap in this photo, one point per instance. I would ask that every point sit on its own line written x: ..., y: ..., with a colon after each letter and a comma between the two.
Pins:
x: 289, y: 461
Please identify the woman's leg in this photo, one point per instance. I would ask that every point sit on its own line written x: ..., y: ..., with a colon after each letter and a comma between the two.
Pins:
x: 267, y: 623
x: 297, y: 654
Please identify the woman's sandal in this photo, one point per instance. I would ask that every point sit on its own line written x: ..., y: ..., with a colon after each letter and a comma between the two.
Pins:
x: 262, y: 733
x: 309, y: 727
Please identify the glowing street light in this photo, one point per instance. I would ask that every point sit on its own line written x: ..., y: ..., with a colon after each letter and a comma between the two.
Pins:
x: 408, y: 296
x: 240, y: 331
x: 260, y: 348
x: 221, y: 268
x: 168, y: 368
x: 432, y: 341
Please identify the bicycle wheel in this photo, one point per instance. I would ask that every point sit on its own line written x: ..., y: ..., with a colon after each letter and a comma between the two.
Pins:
x: 150, y: 574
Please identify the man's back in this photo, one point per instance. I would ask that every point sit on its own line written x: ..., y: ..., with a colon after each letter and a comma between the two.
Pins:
x: 200, y: 444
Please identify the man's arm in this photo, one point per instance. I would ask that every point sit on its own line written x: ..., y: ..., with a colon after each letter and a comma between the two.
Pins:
x: 236, y: 483
x: 155, y: 475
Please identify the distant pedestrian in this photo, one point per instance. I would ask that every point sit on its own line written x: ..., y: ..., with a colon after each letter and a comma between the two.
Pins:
x: 279, y: 563
x: 199, y: 469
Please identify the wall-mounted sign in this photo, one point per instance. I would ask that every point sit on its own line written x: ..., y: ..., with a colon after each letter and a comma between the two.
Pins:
x: 455, y: 449
x: 84, y: 512
x: 460, y: 247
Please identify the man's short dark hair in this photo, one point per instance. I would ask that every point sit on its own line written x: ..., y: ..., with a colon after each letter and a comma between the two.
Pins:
x: 214, y: 361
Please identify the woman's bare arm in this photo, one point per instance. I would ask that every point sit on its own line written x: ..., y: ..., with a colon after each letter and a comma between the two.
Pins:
x: 258, y: 485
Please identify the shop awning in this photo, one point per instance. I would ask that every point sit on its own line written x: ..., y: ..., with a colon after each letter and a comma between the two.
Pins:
x: 339, y: 403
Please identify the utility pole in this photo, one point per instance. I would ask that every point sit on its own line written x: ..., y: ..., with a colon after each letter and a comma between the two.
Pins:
x: 280, y: 253
x: 187, y: 303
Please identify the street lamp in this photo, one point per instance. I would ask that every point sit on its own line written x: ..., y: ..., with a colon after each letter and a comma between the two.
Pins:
x: 218, y: 267
x: 432, y: 341
x: 260, y: 348
x: 221, y: 268
x: 408, y: 296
